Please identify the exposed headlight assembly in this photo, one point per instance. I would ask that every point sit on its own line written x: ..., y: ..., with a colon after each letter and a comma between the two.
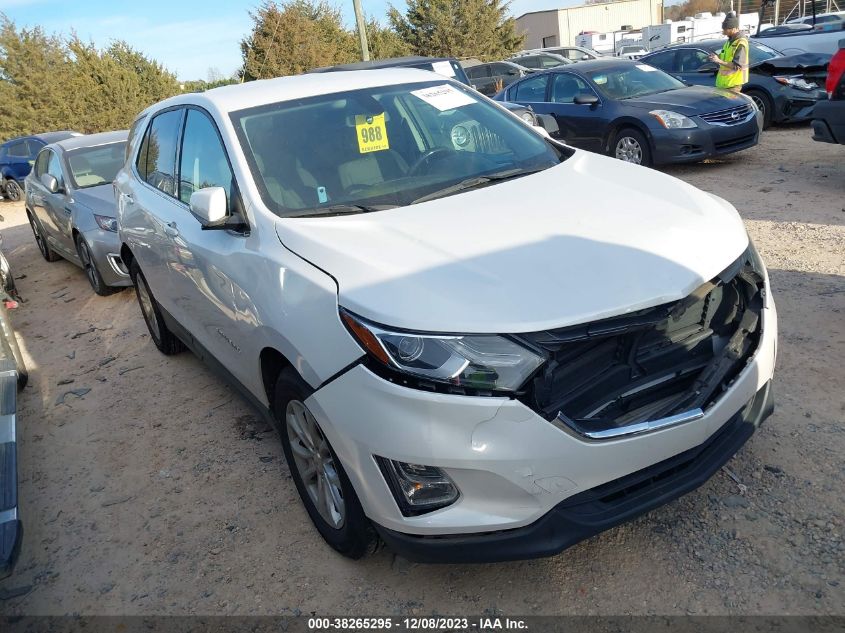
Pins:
x: 672, y: 120
x: 481, y: 362
x: 796, y: 81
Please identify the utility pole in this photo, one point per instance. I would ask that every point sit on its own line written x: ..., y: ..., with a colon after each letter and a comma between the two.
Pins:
x: 362, y: 30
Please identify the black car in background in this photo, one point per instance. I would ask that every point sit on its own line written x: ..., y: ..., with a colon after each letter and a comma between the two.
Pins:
x: 638, y: 113
x: 17, y: 157
x: 829, y: 116
x: 489, y: 78
x: 785, y: 88
x: 446, y: 66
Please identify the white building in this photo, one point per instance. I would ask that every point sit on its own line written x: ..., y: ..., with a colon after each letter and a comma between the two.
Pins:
x: 558, y: 27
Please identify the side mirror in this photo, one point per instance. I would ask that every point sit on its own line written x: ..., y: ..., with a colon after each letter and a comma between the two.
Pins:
x: 209, y: 206
x: 708, y: 67
x: 50, y: 182
x: 586, y: 100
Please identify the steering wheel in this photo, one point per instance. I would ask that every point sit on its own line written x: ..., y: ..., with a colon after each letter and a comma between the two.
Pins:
x: 427, y: 156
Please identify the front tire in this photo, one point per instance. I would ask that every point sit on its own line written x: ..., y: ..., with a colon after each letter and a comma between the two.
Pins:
x: 323, y: 486
x: 90, y: 267
x: 165, y: 340
x: 764, y: 104
x: 41, y: 241
x: 631, y: 146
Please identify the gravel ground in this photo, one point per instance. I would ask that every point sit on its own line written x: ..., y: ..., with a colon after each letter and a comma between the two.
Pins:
x: 154, y: 489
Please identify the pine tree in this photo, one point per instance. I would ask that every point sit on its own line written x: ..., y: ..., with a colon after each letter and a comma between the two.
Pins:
x: 458, y: 28
x: 295, y: 36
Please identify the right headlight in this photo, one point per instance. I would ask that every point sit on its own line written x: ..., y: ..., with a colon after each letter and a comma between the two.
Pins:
x: 672, y: 120
x: 474, y: 361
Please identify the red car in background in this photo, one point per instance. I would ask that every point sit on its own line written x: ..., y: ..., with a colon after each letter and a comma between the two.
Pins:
x: 829, y: 116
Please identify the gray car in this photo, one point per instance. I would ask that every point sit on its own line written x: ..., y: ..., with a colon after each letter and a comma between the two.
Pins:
x: 71, y: 207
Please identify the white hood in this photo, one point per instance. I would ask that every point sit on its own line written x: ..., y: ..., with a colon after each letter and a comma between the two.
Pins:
x: 591, y: 238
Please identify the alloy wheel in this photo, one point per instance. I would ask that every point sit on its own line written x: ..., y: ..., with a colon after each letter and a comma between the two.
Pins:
x: 13, y: 190
x: 147, y: 308
x: 629, y: 150
x: 315, y: 463
x: 88, y: 264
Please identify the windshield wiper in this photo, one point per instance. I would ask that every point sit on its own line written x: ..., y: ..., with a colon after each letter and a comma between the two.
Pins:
x: 342, y: 209
x: 477, y: 181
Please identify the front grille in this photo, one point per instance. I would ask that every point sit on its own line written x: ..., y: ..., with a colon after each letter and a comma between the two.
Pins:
x: 731, y: 116
x: 734, y: 142
x: 652, y: 364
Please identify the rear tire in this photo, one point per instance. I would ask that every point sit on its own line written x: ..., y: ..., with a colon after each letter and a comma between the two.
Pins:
x: 41, y: 241
x: 165, y: 340
x: 90, y: 267
x: 12, y: 190
x: 764, y: 104
x: 323, y: 486
x: 631, y: 146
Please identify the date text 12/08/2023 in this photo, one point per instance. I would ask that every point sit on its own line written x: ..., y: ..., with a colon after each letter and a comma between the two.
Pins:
x: 417, y: 624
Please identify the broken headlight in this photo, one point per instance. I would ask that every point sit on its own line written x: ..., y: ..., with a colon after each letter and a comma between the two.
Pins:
x: 475, y: 361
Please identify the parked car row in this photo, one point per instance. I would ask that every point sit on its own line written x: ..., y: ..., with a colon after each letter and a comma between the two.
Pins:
x: 428, y: 297
x: 638, y: 113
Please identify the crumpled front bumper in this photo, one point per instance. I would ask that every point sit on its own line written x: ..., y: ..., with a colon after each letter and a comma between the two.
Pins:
x: 512, y: 466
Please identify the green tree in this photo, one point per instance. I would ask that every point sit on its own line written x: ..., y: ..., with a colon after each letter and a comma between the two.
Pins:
x: 385, y: 42
x: 47, y: 83
x: 295, y: 36
x: 111, y: 87
x: 34, y: 91
x: 458, y: 28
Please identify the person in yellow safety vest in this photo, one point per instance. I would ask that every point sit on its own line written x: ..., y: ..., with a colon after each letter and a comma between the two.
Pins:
x: 733, y: 58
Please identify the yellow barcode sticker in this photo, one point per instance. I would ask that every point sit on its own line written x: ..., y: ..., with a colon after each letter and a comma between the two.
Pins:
x: 372, y: 133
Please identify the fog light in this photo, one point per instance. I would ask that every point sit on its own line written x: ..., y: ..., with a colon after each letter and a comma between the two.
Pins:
x: 418, y: 488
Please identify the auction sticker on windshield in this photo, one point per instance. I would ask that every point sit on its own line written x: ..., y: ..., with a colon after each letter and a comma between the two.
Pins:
x: 648, y: 69
x: 372, y: 133
x: 443, y: 97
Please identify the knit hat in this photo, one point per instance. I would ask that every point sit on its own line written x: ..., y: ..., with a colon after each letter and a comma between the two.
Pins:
x: 730, y: 22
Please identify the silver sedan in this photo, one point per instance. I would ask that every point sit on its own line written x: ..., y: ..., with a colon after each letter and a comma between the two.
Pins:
x: 71, y: 206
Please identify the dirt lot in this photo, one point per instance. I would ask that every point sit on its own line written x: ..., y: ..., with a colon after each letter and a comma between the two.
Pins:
x: 160, y: 492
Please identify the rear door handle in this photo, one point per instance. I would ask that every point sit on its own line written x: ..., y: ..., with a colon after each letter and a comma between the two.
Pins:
x: 171, y: 230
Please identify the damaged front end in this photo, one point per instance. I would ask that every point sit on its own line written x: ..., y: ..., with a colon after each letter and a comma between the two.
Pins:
x: 653, y: 368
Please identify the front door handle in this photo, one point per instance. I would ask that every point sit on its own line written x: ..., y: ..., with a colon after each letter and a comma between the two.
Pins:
x: 171, y: 230
x: 127, y: 198
x: 68, y: 210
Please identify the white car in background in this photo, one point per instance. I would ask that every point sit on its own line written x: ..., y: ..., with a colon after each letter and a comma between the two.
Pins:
x: 631, y: 52
x: 477, y: 344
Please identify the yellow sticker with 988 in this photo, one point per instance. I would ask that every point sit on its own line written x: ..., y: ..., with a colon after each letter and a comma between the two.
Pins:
x: 372, y: 133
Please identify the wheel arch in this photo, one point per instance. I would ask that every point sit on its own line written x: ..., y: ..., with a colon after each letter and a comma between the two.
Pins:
x: 271, y: 364
x: 627, y: 122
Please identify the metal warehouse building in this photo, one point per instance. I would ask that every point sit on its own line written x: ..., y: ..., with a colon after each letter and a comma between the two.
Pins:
x: 558, y: 27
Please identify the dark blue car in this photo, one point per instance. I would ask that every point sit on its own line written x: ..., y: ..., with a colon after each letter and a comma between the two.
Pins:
x: 17, y: 157
x: 637, y: 113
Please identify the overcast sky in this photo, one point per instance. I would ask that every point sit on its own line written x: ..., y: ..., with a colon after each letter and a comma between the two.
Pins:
x: 187, y: 36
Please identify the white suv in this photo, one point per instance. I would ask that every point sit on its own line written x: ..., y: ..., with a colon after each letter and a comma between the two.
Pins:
x: 477, y: 343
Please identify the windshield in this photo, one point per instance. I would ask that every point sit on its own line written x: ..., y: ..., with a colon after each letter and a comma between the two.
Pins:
x: 627, y: 82
x: 382, y: 147
x: 92, y: 166
x: 760, y: 52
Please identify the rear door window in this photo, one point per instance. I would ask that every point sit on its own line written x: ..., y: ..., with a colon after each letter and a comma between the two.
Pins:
x: 532, y: 89
x: 663, y: 61
x: 157, y: 158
